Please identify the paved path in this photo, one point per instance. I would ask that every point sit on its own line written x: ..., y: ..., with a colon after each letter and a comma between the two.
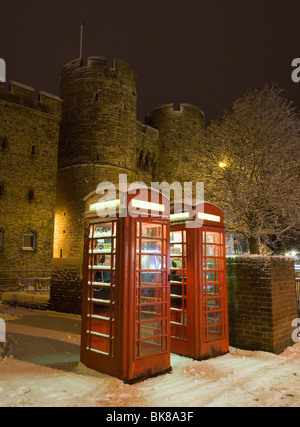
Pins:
x: 39, y: 366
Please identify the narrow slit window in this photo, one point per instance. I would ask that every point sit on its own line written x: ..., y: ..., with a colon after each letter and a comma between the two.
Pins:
x: 30, y: 194
x: 1, y: 238
x: 4, y: 143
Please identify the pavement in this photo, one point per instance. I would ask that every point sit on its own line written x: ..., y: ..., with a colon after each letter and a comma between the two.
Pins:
x: 42, y: 337
x: 40, y: 367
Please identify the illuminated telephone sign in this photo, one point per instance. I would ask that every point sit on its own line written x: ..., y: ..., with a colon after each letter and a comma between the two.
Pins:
x: 126, y: 293
x: 199, y: 317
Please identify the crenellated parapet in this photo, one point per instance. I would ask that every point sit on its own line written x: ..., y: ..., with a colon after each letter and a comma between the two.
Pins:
x: 26, y: 96
x: 184, y: 112
x: 97, y: 66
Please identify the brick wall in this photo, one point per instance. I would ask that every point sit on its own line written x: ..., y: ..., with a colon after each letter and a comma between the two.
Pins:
x: 261, y: 302
x: 284, y: 299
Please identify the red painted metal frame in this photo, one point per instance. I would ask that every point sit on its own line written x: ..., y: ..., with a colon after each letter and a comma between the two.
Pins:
x: 196, y: 345
x: 124, y: 363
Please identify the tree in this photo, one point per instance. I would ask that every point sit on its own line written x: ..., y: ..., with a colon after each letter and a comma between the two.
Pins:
x: 252, y: 166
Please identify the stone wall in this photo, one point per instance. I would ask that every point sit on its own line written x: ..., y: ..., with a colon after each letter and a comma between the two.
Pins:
x: 66, y: 285
x: 147, y: 155
x: 29, y: 127
x: 261, y: 302
x: 74, y: 185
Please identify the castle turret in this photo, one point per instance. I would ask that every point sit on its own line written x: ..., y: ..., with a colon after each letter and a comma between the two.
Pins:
x: 97, y: 141
x: 99, y: 114
x: 180, y: 134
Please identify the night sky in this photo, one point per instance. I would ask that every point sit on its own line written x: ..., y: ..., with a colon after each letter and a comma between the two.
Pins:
x: 203, y: 52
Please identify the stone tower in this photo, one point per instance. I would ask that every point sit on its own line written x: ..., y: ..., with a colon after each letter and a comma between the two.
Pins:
x: 97, y: 141
x: 180, y: 134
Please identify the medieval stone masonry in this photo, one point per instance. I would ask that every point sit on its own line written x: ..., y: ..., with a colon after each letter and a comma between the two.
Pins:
x: 29, y: 129
x: 54, y: 152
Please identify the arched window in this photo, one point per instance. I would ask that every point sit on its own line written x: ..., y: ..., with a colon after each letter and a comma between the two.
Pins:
x: 1, y: 238
x: 29, y: 240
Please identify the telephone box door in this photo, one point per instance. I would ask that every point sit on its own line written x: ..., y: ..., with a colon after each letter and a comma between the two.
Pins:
x: 150, y: 346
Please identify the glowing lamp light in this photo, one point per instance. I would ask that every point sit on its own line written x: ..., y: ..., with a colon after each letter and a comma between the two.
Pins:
x: 292, y: 254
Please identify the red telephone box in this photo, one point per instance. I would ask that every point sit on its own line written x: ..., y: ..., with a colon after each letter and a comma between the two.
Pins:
x: 126, y: 308
x: 199, y: 315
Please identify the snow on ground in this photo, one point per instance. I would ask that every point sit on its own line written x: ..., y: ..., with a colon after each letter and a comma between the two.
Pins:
x: 40, y: 367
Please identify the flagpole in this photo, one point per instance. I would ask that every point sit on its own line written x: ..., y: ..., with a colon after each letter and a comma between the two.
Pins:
x: 81, y: 38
